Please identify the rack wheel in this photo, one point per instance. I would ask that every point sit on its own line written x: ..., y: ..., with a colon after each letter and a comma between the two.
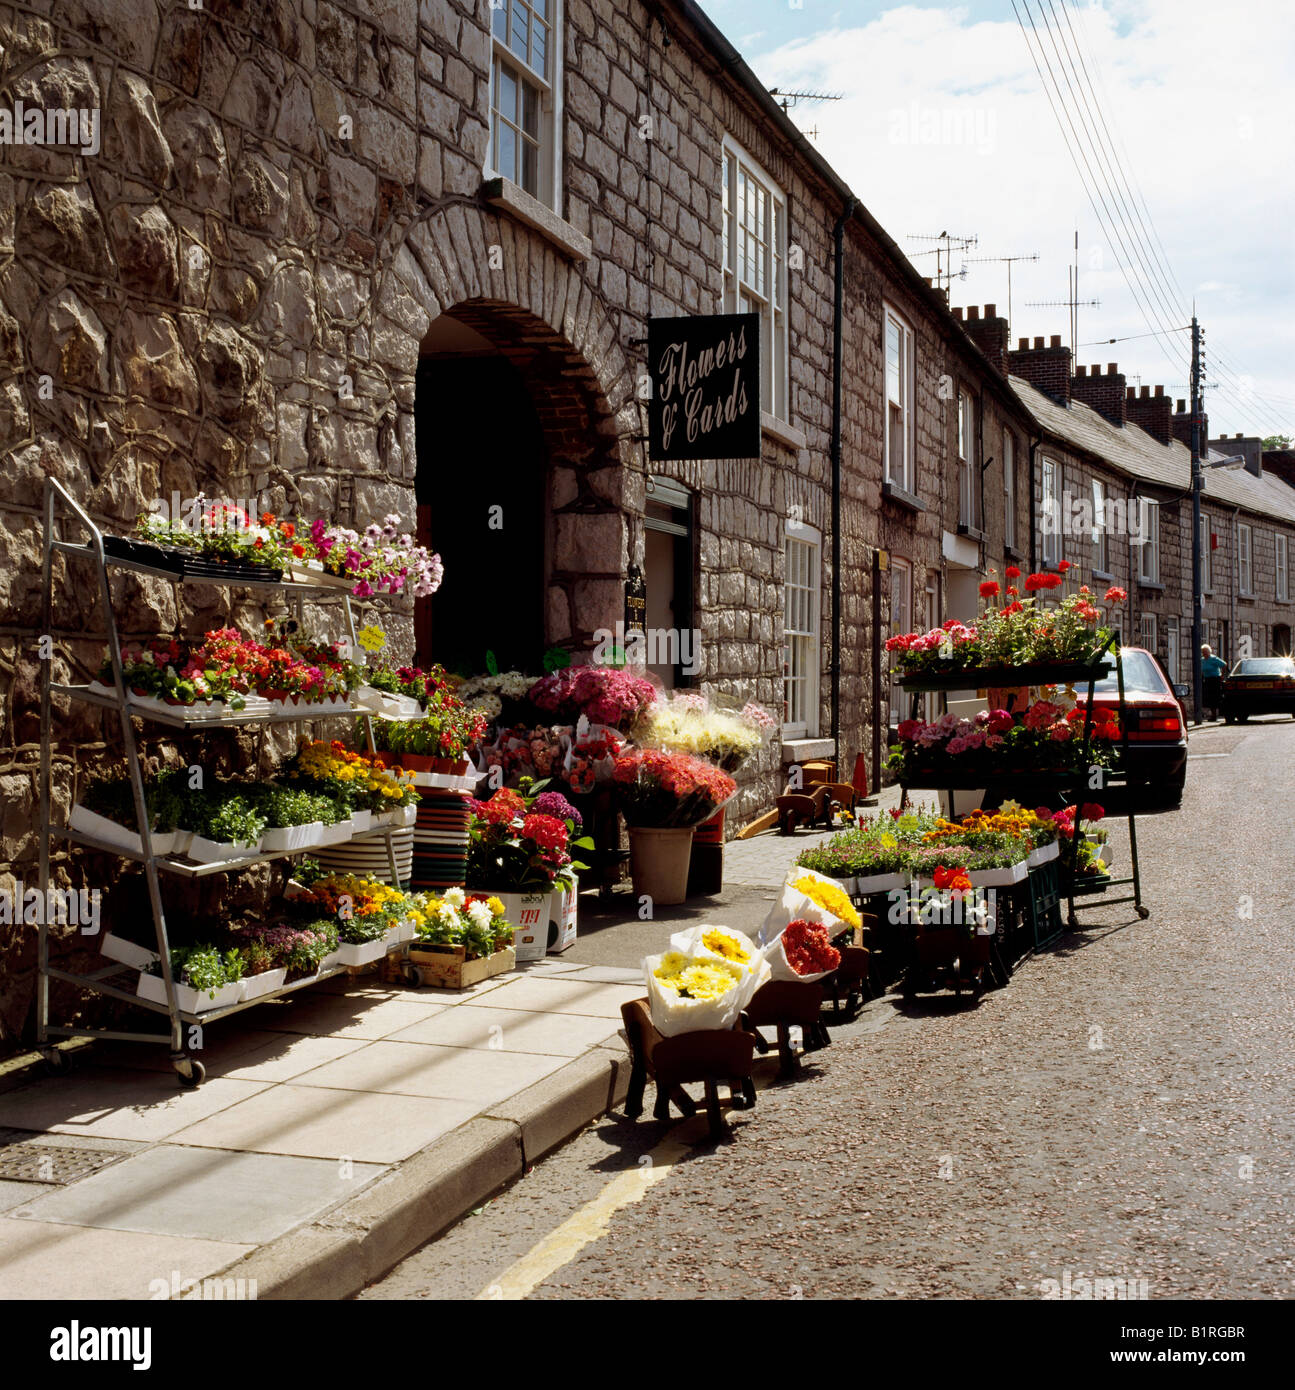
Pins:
x: 1144, y: 913
x: 190, y: 1072
x: 412, y: 976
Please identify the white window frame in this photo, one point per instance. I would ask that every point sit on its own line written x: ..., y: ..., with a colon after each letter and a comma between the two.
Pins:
x: 1050, y: 537
x: 1148, y: 634
x: 1207, y: 556
x: 1245, y: 560
x: 739, y: 295
x: 1101, y: 535
x: 970, y: 508
x: 1149, y: 550
x: 1009, y: 490
x: 798, y: 535
x: 550, y: 87
x: 906, y: 476
x: 1281, y: 567
x: 1173, y: 654
x: 901, y: 620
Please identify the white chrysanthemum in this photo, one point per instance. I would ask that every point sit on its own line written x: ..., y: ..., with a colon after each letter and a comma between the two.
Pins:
x: 480, y: 914
x: 448, y: 914
x: 456, y: 897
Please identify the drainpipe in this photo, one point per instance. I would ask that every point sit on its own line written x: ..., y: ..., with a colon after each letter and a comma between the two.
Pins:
x: 1236, y: 580
x: 1135, y: 574
x: 1034, y: 449
x: 838, y: 338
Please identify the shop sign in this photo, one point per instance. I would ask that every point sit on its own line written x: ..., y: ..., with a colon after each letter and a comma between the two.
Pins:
x: 705, y: 401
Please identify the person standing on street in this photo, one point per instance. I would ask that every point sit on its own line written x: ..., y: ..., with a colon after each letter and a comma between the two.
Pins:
x: 1213, y: 669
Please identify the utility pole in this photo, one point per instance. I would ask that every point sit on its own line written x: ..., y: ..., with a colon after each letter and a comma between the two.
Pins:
x: 1198, y: 599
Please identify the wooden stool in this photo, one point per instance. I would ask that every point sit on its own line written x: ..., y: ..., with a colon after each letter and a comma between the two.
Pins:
x: 708, y: 1055
x: 784, y: 1004
x: 849, y: 981
x: 804, y: 808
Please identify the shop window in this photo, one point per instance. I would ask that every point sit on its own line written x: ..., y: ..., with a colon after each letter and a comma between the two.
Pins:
x: 901, y: 621
x: 668, y: 573
x: 969, y: 508
x: 755, y: 266
x: 526, y: 96
x: 800, y: 656
x: 900, y: 452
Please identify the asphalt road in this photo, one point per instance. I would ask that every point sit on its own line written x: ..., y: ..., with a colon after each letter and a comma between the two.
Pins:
x: 1124, y: 1109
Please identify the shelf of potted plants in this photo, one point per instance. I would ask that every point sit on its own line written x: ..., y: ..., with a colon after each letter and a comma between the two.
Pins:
x: 213, y: 546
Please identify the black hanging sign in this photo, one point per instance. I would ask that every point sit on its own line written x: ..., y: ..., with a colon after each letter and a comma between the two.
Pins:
x: 705, y: 387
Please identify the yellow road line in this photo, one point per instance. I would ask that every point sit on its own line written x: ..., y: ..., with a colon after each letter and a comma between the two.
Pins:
x: 586, y: 1225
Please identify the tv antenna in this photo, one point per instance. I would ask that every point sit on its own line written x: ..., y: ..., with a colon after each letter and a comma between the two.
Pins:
x: 789, y: 99
x: 949, y: 242
x: 1008, y: 261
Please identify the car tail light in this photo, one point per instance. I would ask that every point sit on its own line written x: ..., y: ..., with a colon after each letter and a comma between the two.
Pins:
x: 1154, y: 725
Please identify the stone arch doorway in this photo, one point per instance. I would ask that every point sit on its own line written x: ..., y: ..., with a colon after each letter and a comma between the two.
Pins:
x: 520, y: 486
x: 466, y: 283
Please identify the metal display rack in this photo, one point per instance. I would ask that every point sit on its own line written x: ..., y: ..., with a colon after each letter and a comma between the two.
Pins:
x: 1042, y: 782
x: 188, y: 1068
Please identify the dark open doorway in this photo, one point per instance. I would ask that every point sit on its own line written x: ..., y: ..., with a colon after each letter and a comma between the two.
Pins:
x: 481, y: 489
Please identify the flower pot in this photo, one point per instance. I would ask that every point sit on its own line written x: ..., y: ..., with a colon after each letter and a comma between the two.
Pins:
x: 363, y: 953
x: 337, y: 834
x: 290, y: 838
x: 206, y: 851
x: 998, y: 878
x: 119, y: 949
x: 190, y: 1000
x: 659, y: 863
x: 408, y: 815
x: 254, y: 986
x: 868, y: 884
x: 331, y: 961
x: 361, y: 822
x: 414, y: 762
x: 120, y: 836
x: 1045, y: 854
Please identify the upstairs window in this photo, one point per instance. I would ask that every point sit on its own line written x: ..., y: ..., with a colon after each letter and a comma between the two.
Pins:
x: 1245, y: 564
x: 1149, y: 550
x: 1009, y: 490
x: 1283, y: 569
x: 900, y: 469
x: 1101, y: 545
x: 969, y: 508
x: 525, y: 88
x: 1049, y: 513
x: 755, y: 266
x: 800, y: 653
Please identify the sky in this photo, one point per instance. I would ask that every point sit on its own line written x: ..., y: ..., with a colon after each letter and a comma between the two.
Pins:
x: 945, y: 125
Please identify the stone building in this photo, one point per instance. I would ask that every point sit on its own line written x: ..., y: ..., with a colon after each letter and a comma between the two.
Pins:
x: 353, y: 257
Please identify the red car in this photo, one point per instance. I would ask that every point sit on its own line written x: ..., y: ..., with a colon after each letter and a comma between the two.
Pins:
x: 1157, y: 724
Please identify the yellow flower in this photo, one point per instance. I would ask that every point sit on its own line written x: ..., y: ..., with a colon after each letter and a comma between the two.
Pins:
x: 495, y: 906
x: 831, y: 898
x: 727, y: 946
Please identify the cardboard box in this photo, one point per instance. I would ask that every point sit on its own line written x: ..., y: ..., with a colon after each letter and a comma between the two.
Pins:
x: 562, y: 919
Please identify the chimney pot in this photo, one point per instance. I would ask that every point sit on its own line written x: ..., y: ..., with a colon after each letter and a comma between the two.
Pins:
x: 1146, y: 392
x: 957, y: 314
x: 973, y: 311
x: 991, y: 311
x: 1112, y: 368
x: 1022, y: 345
x: 1081, y: 371
x: 1097, y: 369
x: 1159, y: 391
x: 1038, y: 344
x: 1182, y: 407
x: 1056, y: 341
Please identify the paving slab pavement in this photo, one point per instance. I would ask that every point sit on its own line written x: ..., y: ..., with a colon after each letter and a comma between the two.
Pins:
x: 338, y: 1129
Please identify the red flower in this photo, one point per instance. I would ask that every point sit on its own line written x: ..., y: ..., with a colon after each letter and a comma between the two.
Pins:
x: 989, y: 589
x: 1090, y: 810
x: 1013, y: 572
x: 1043, y: 813
x: 1116, y: 595
x: 1063, y: 566
x: 957, y: 880
x: 808, y: 948
x: 549, y: 833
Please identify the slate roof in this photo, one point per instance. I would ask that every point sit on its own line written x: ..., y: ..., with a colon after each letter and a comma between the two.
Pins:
x: 1131, y: 450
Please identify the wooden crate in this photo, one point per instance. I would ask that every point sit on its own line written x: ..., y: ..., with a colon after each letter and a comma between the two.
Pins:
x: 445, y: 967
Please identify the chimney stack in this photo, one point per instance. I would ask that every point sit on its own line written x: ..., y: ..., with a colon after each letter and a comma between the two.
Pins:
x: 1047, y: 369
x: 1181, y: 422
x: 1150, y: 413
x: 989, y: 334
x: 1104, y: 393
x: 1250, y: 447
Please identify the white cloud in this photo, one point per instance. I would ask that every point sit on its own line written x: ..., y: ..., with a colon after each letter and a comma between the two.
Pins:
x: 945, y: 125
